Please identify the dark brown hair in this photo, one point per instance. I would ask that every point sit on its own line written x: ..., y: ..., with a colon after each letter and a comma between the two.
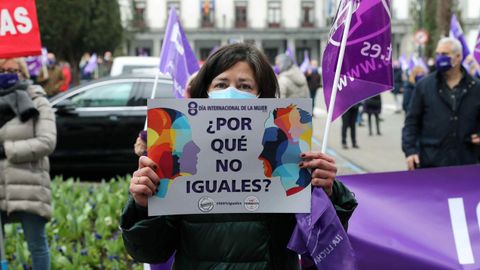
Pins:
x: 226, y: 57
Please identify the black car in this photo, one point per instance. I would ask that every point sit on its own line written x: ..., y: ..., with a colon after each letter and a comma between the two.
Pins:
x: 98, y: 123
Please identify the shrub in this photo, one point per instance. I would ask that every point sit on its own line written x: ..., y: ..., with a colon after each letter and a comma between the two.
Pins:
x: 84, y: 231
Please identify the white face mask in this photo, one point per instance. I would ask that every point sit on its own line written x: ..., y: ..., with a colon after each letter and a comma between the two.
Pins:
x: 230, y: 92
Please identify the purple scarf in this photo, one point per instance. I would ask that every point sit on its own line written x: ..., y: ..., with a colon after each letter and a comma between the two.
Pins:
x: 320, y: 238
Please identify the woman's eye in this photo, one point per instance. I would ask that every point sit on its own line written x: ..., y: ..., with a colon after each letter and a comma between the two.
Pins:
x: 220, y: 86
x: 245, y: 87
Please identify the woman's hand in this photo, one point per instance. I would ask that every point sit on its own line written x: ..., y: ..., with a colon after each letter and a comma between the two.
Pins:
x: 144, y: 181
x: 323, y: 169
x: 140, y: 147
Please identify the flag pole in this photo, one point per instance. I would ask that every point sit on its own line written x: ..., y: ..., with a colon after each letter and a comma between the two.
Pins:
x: 152, y: 96
x: 337, y: 76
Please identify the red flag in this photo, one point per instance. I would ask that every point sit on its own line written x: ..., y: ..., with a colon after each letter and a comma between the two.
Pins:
x: 19, y: 31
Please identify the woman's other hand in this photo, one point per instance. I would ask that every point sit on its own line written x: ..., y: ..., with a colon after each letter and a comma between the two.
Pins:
x: 324, y: 169
x: 144, y: 181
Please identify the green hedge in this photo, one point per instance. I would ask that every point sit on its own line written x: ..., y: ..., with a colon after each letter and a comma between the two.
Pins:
x: 83, y: 233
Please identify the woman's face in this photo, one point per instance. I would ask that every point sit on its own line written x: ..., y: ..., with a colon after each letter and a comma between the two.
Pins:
x: 240, y: 76
x: 11, y: 66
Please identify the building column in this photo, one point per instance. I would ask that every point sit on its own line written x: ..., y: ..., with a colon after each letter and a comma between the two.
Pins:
x: 291, y: 45
x: 157, y: 45
x: 258, y: 43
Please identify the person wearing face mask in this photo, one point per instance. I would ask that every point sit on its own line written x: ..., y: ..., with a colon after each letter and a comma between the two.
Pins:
x: 27, y: 137
x: 441, y: 127
x: 224, y: 241
x: 415, y: 76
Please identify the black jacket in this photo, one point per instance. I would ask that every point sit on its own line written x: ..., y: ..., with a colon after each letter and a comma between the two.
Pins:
x: 220, y: 241
x: 439, y: 133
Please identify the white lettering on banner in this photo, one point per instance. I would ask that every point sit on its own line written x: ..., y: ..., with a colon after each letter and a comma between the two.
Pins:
x: 20, y: 14
x: 460, y: 231
x: 326, y: 251
x: 377, y: 60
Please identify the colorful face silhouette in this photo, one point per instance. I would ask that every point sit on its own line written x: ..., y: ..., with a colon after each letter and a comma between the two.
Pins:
x: 288, y: 133
x: 170, y: 145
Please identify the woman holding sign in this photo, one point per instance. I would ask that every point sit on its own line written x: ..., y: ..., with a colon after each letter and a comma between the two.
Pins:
x: 224, y: 241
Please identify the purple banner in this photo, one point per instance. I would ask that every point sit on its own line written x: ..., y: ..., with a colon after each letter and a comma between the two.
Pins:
x: 320, y: 238
x: 457, y: 32
x: 367, y: 65
x: 423, y: 219
x: 177, y: 58
x: 476, y: 52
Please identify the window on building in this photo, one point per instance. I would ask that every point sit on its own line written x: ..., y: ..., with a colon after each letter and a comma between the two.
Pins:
x: 241, y: 14
x: 208, y: 13
x: 271, y: 53
x: 174, y: 4
x: 274, y: 13
x: 308, y: 14
x: 204, y: 53
x: 139, y: 14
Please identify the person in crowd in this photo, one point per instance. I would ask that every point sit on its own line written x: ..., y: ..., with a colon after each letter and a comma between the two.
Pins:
x: 397, y: 85
x: 314, y: 80
x: 472, y: 65
x: 373, y: 106
x: 85, y: 76
x: 415, y: 76
x: 291, y: 80
x: 67, y: 74
x: 441, y: 127
x: 27, y: 136
x: 224, y: 241
x: 105, y: 64
x: 54, y: 80
x: 349, y: 120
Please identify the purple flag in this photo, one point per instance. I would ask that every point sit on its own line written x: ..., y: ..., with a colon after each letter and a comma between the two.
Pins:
x: 422, y: 219
x: 319, y: 236
x: 34, y: 65
x: 91, y: 65
x: 290, y: 54
x: 177, y: 58
x: 457, y: 32
x: 367, y: 65
x: 403, y: 62
x: 306, y: 62
x: 476, y: 52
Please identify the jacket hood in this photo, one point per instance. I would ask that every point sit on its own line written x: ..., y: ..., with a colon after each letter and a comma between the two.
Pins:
x: 295, y: 75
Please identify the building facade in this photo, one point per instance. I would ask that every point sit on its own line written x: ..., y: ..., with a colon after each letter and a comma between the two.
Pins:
x: 272, y: 25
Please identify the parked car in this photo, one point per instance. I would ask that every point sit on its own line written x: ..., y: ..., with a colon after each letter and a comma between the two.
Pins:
x: 98, y: 122
x: 134, y: 65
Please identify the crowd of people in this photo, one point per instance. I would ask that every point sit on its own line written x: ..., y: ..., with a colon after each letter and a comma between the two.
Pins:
x: 442, y: 128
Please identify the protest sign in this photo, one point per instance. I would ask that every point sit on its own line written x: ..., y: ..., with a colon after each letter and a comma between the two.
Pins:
x: 19, y: 31
x: 230, y: 156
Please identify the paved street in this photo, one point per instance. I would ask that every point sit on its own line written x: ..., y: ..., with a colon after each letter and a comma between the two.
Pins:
x: 376, y: 153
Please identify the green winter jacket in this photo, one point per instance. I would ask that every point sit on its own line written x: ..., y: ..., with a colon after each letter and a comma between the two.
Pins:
x: 219, y: 241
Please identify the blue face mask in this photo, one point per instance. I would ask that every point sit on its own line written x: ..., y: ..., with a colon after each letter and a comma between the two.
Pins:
x: 443, y: 63
x: 419, y: 77
x: 230, y: 92
x: 8, y: 80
